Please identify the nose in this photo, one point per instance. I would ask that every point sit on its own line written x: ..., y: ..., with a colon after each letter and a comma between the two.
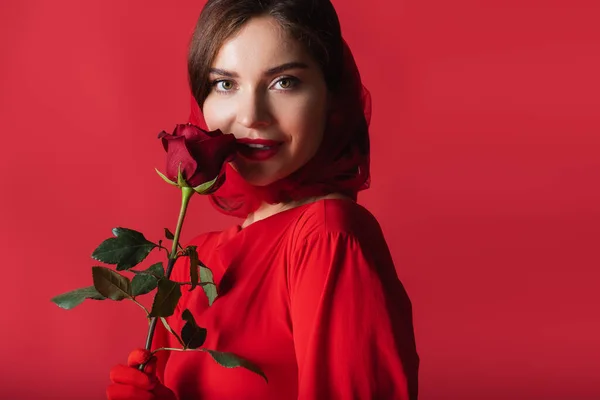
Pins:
x: 253, y: 111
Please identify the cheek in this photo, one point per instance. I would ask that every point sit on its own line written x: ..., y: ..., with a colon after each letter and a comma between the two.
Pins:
x: 216, y: 115
x: 309, y: 122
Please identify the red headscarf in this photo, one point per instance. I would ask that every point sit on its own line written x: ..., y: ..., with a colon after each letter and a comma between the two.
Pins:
x: 341, y: 165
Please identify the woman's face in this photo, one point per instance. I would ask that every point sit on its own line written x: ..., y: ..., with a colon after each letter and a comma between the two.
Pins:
x: 269, y: 92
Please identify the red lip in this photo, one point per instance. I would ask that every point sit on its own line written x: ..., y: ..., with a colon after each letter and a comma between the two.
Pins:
x: 257, y: 154
x: 263, y: 142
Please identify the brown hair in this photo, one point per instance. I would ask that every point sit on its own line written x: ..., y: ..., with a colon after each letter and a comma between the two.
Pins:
x: 314, y: 23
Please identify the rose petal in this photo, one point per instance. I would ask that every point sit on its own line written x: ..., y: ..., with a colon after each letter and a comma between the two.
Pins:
x: 190, y: 132
x: 211, y: 155
x: 215, y: 133
x: 163, y: 136
x: 178, y: 154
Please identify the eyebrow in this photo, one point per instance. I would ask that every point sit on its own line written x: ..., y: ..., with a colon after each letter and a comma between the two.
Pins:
x: 272, y: 71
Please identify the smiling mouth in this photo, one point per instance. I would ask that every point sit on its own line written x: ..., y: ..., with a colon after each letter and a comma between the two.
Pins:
x: 257, y: 151
x: 258, y: 146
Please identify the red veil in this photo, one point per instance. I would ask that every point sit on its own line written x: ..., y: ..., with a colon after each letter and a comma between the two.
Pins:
x: 341, y: 165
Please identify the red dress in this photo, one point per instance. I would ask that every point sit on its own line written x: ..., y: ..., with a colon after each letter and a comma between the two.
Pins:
x: 312, y: 297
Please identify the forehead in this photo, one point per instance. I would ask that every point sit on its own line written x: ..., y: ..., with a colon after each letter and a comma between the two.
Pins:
x: 260, y: 44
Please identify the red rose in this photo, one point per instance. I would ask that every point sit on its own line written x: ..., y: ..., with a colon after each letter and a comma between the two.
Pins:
x: 201, y: 155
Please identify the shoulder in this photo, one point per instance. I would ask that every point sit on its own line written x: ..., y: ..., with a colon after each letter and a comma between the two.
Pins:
x: 336, y: 216
x: 336, y: 227
x: 338, y: 235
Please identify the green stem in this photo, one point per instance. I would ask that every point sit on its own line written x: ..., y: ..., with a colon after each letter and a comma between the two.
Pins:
x: 141, y: 305
x: 186, y: 195
x: 173, y: 349
x: 165, y: 249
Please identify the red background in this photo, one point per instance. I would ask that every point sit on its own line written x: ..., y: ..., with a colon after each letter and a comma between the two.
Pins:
x: 486, y: 174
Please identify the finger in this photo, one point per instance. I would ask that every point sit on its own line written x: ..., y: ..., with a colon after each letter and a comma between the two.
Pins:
x: 131, y: 376
x: 138, y: 357
x: 117, y: 391
x: 142, y: 356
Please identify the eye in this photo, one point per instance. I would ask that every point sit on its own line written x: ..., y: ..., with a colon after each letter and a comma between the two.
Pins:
x: 223, y: 85
x: 287, y: 82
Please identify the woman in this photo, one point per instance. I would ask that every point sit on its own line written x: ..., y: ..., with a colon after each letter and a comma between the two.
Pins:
x: 307, y: 287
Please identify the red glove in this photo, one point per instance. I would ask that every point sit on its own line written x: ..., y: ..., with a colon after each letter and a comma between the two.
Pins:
x: 129, y: 383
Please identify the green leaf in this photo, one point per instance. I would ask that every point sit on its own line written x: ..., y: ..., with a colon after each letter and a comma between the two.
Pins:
x: 143, y: 284
x: 127, y: 249
x: 165, y: 178
x: 193, y: 335
x: 205, y: 187
x: 181, y: 182
x: 111, y: 284
x: 194, y: 262
x: 156, y: 270
x: 168, y: 327
x: 166, y: 299
x: 230, y: 360
x: 209, y: 287
x: 76, y: 297
x: 168, y: 234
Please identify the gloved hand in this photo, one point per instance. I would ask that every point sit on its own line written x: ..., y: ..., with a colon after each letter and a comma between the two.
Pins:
x: 129, y: 383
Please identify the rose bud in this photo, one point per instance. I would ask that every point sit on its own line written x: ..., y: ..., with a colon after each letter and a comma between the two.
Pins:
x: 196, y: 158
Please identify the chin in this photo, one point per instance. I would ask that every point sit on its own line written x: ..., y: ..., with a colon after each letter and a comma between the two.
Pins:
x: 259, y: 180
x: 255, y: 177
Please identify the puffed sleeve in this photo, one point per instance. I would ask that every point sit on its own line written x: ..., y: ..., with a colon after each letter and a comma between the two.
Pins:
x: 351, y: 319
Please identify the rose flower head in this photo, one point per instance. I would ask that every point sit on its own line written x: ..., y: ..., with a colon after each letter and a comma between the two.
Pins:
x: 196, y: 158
